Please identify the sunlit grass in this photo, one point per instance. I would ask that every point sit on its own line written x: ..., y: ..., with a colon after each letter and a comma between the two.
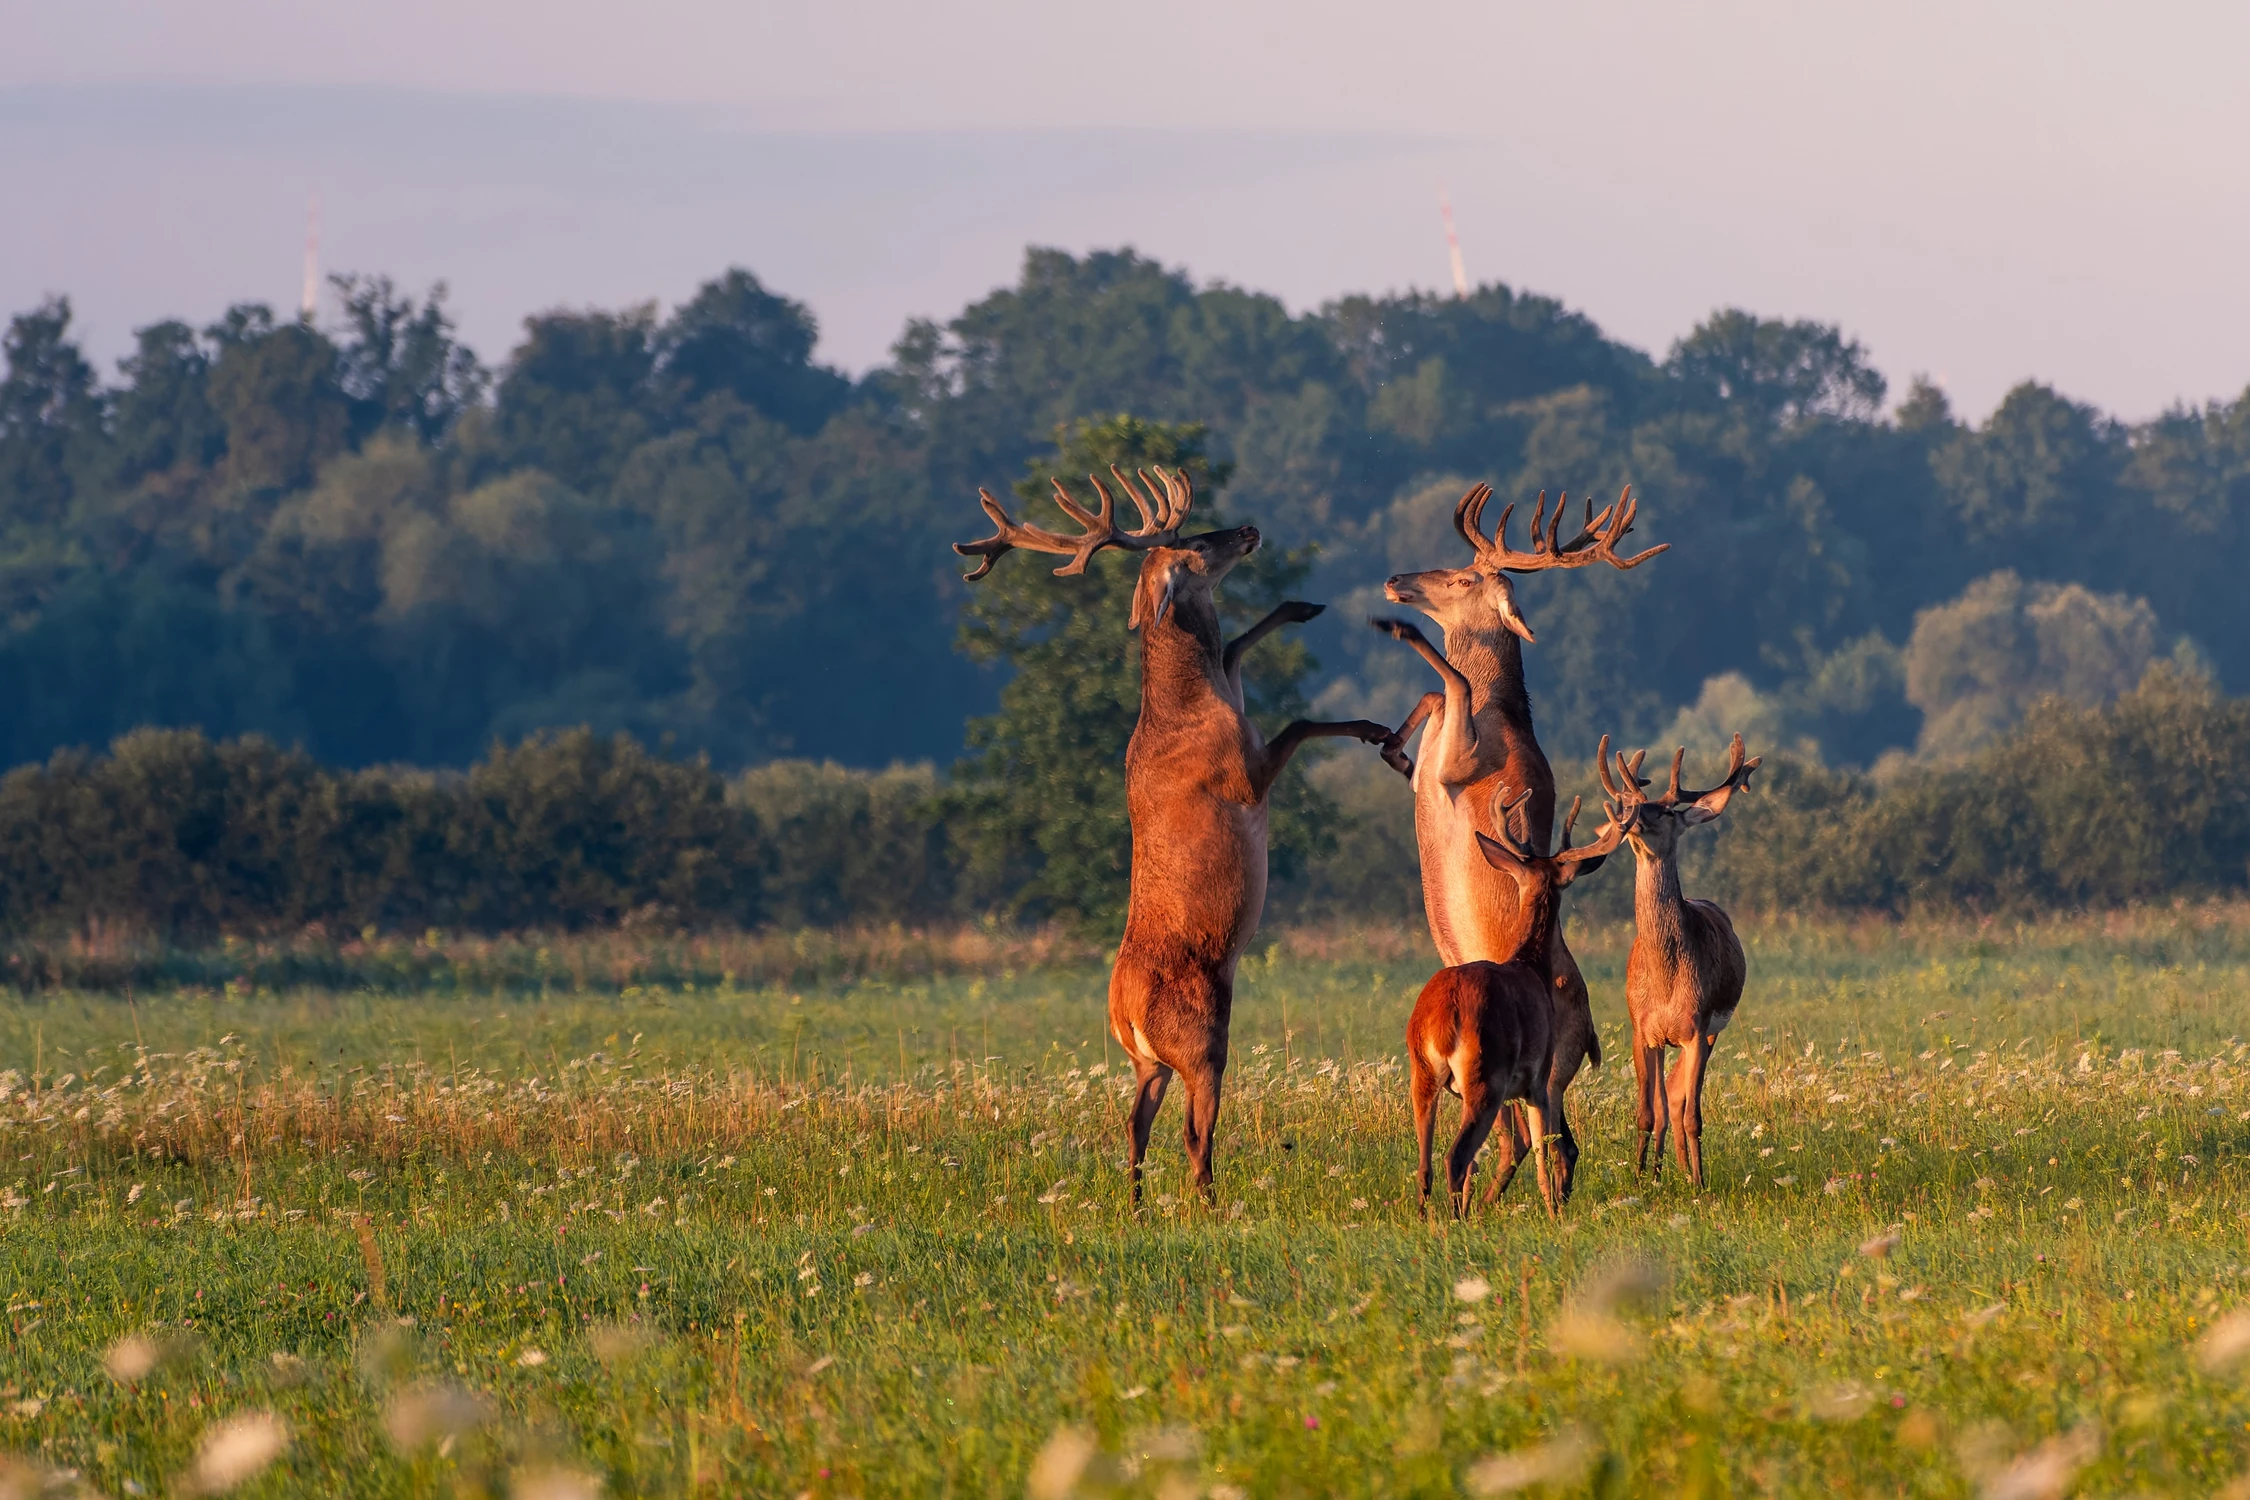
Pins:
x: 1972, y: 1192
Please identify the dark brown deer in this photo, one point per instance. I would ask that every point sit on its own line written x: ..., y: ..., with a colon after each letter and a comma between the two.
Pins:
x: 1486, y: 1031
x: 1476, y: 735
x: 1196, y: 777
x: 1683, y: 979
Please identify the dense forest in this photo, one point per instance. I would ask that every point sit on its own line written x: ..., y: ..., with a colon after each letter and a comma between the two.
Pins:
x: 355, y: 538
x: 359, y: 539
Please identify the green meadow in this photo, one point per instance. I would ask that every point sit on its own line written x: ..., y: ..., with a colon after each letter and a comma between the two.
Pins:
x: 540, y: 1224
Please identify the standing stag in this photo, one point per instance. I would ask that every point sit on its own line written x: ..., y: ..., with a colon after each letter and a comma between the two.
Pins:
x: 1476, y: 736
x: 1684, y: 977
x: 1196, y: 777
x: 1486, y: 1031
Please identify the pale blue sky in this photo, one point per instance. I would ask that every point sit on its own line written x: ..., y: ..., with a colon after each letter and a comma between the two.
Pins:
x: 1983, y: 192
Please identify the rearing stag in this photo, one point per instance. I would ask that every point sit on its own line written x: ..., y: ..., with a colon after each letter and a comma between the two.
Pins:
x: 1196, y: 777
x: 1683, y: 979
x: 1476, y: 737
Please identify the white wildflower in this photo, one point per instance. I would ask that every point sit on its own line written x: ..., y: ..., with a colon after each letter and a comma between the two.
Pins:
x: 237, y: 1450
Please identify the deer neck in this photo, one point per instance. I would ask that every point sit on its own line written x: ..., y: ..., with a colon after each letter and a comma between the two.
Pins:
x: 1659, y: 910
x: 1536, y: 950
x: 1180, y: 662
x: 1492, y: 660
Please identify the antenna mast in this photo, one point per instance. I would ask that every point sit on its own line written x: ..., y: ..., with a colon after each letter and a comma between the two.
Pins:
x: 312, y: 258
x: 1453, y: 244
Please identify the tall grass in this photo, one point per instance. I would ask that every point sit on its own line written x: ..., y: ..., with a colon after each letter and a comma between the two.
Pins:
x: 1973, y: 1192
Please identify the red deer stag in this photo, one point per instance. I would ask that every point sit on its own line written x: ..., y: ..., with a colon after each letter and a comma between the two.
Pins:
x: 1476, y: 735
x: 1196, y: 777
x: 1683, y: 979
x: 1486, y: 1030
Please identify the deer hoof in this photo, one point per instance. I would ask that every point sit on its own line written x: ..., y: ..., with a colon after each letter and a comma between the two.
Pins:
x: 1401, y: 630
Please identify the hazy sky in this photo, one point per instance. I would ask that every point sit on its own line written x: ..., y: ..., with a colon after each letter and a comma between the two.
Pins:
x: 1984, y: 192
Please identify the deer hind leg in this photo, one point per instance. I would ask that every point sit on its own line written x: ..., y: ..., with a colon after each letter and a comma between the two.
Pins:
x: 1203, y: 1085
x: 1425, y: 1087
x: 1648, y: 1078
x: 1480, y: 1106
x: 1695, y: 1059
x: 1148, y: 1098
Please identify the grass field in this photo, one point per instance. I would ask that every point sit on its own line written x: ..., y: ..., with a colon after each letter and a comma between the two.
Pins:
x: 545, y: 1224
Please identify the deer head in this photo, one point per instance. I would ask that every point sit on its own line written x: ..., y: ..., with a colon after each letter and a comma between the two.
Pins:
x: 1471, y: 598
x: 1653, y: 824
x: 1176, y: 571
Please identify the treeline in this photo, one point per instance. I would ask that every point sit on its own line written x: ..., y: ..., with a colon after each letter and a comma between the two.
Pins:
x: 355, y: 535
x: 2077, y: 807
x: 185, y: 838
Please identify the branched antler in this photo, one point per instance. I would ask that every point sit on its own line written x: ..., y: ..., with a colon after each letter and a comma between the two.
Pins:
x: 1630, y: 789
x: 1596, y: 540
x: 1163, y: 511
x: 1737, y: 777
x: 1627, y: 787
x: 1604, y: 842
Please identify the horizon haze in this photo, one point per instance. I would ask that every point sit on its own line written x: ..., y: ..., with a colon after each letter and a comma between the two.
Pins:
x: 2020, y: 193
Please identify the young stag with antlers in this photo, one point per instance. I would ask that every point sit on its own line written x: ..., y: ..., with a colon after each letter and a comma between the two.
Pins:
x: 1196, y: 777
x: 1477, y: 735
x: 1486, y: 1031
x: 1684, y: 977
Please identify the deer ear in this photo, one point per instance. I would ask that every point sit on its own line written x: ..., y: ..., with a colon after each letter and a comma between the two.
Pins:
x: 1511, y: 617
x: 1576, y: 868
x: 1152, y: 595
x: 1706, y: 808
x: 1496, y: 855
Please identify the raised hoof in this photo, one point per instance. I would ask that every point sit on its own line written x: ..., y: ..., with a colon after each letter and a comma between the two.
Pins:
x: 1397, y: 630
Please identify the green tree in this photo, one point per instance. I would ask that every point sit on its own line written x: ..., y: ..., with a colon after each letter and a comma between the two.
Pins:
x: 277, y: 390
x: 1039, y: 804
x: 401, y: 365
x: 1777, y: 371
x: 734, y: 336
x: 50, y: 415
x: 163, y: 416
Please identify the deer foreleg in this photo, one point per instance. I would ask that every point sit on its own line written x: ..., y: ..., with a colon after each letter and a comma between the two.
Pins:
x: 1648, y: 1080
x: 1394, y: 748
x: 1454, y: 740
x: 1286, y: 743
x: 1676, y: 1089
x: 1536, y: 1116
x: 1148, y: 1098
x: 1696, y: 1059
x: 1289, y: 612
x: 1510, y: 1146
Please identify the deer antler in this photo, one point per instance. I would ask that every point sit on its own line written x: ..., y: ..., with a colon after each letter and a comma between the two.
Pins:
x: 1596, y: 540
x: 1737, y: 777
x: 1502, y: 810
x: 1604, y: 842
x: 1172, y: 496
x: 1627, y: 787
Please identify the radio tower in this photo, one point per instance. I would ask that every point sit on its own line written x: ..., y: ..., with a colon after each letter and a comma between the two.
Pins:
x: 312, y: 258
x: 1453, y: 244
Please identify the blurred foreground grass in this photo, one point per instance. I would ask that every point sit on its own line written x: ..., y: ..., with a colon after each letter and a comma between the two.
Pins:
x: 672, y: 1230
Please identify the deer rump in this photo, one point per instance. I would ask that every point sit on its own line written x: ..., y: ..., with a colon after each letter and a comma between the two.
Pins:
x: 1486, y: 1023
